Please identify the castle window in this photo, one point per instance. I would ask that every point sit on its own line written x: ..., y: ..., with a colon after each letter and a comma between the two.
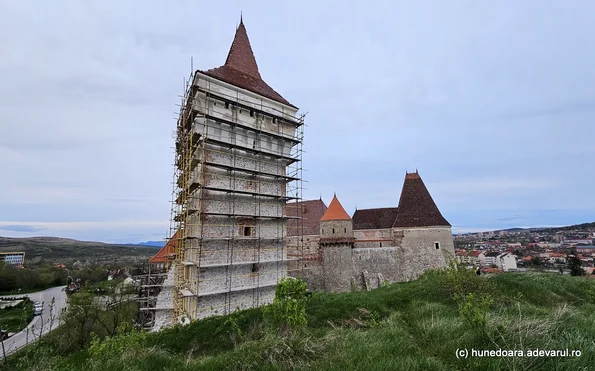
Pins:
x: 380, y: 244
x: 333, y: 230
x: 323, y: 231
x: 437, y: 245
x: 255, y: 268
x: 248, y: 231
x: 226, y: 105
x: 251, y: 113
x: 345, y: 230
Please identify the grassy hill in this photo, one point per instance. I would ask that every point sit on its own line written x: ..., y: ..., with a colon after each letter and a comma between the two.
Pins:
x: 60, y: 250
x: 417, y: 325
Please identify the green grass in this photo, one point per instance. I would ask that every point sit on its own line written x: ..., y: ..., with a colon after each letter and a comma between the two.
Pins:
x: 405, y: 326
x: 16, y: 318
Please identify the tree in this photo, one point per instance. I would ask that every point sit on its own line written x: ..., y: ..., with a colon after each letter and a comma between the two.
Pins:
x: 574, y: 264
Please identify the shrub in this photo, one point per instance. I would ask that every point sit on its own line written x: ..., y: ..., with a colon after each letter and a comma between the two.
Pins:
x: 288, y: 309
x: 472, y: 294
x: 116, y: 345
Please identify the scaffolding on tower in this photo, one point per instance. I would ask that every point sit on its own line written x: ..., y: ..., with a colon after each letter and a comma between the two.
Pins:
x: 203, y: 137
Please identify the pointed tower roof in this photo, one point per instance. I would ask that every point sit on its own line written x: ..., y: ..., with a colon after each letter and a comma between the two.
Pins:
x: 240, y: 68
x: 416, y: 206
x: 335, y: 211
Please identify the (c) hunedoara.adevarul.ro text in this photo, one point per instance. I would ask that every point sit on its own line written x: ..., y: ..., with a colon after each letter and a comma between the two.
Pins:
x: 466, y: 353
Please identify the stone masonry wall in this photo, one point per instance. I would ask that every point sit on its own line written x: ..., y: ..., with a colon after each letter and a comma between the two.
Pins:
x: 163, y: 317
x: 336, y: 228
x: 337, y: 268
x: 379, y: 264
x: 418, y: 252
x: 306, y: 261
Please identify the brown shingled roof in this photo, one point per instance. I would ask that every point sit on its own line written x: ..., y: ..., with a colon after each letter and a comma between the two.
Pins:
x: 240, y: 68
x: 335, y: 211
x: 380, y: 218
x: 416, y: 206
x: 311, y: 211
x: 169, y: 248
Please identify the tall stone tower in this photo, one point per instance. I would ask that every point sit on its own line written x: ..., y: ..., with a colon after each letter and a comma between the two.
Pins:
x: 238, y: 148
x: 423, y: 234
x: 336, y: 242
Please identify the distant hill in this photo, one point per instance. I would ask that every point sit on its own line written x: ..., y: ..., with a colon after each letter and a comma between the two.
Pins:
x: 62, y: 250
x: 576, y: 227
x: 513, y: 230
x: 583, y: 226
x: 149, y: 243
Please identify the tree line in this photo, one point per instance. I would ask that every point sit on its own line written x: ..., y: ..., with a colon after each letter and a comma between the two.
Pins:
x: 15, y: 280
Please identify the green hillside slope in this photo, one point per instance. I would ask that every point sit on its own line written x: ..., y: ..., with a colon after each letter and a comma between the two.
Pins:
x: 60, y: 250
x: 417, y: 325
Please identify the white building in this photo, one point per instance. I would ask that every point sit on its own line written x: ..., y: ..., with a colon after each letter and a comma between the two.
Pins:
x: 506, y: 262
x: 13, y: 258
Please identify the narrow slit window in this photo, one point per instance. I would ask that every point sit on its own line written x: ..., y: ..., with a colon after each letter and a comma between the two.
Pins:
x: 333, y: 230
x: 437, y: 245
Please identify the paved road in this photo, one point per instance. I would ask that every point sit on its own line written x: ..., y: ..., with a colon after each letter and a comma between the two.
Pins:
x: 50, y: 318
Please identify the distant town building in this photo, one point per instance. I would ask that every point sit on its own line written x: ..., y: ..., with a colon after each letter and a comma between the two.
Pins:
x: 506, y: 262
x: 13, y: 258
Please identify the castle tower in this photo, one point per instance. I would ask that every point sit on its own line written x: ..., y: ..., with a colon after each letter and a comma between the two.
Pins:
x: 424, y: 235
x: 238, y: 145
x: 336, y: 242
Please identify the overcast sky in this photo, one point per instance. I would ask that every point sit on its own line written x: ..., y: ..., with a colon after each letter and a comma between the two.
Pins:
x: 494, y: 103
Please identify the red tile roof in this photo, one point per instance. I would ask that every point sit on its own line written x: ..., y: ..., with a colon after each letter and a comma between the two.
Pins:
x: 311, y: 211
x: 416, y: 206
x: 381, y: 218
x: 169, y: 248
x: 240, y: 68
x: 335, y: 211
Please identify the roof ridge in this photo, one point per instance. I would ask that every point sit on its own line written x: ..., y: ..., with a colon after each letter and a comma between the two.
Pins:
x: 379, y: 208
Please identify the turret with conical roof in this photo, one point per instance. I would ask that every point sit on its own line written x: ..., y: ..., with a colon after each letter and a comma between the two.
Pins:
x: 336, y: 226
